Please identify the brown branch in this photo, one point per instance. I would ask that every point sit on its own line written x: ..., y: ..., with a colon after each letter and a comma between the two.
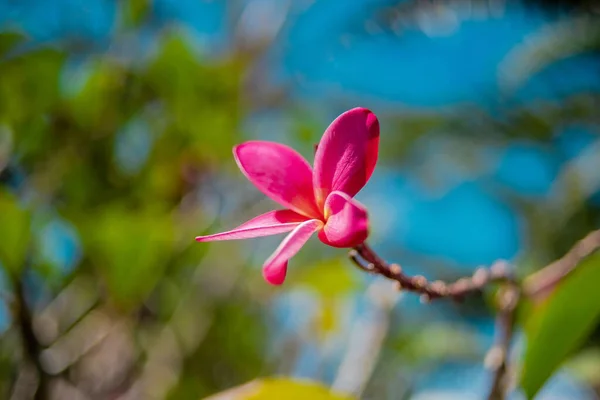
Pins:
x: 535, y: 286
x: 497, y: 357
x: 539, y: 284
x: 366, y: 259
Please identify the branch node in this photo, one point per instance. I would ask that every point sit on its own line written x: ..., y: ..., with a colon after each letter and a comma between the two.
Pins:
x: 461, y: 286
x: 420, y: 282
x: 499, y: 269
x: 494, y: 358
x: 480, y: 277
x: 395, y: 269
x: 439, y: 287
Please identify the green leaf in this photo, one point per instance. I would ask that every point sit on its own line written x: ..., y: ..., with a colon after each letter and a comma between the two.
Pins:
x: 561, y: 324
x: 14, y: 232
x: 277, y: 389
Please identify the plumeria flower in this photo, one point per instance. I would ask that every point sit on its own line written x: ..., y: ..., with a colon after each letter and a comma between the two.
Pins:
x: 316, y: 200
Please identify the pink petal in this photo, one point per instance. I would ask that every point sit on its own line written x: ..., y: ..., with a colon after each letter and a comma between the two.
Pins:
x: 273, y: 218
x: 275, y: 267
x: 270, y: 223
x: 280, y: 173
x: 347, y: 154
x: 347, y: 221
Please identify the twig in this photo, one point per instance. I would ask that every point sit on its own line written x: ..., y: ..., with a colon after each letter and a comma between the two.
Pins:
x: 539, y: 284
x: 497, y: 357
x: 535, y: 286
x: 366, y: 259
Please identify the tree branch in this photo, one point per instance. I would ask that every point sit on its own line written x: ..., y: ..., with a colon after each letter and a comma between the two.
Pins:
x: 497, y: 357
x: 366, y: 259
x: 538, y: 285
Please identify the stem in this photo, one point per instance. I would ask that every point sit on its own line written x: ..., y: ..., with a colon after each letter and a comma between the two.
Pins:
x: 539, y: 284
x: 365, y: 258
x: 497, y: 357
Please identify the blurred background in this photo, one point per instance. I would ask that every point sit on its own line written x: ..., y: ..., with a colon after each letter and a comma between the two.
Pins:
x: 117, y: 120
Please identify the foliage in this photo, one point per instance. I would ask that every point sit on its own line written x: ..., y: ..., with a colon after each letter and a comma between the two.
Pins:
x: 15, y: 233
x: 560, y: 325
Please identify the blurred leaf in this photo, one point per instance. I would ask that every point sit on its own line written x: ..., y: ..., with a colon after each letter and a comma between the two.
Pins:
x: 278, y: 389
x: 327, y: 317
x: 231, y: 351
x: 96, y: 106
x: 406, y: 130
x: 201, y: 100
x: 438, y: 342
x: 306, y: 130
x: 585, y: 366
x: 8, y: 40
x: 6, y: 144
x: 553, y: 42
x: 21, y: 76
x: 135, y: 11
x: 14, y: 232
x: 560, y: 325
x: 330, y: 278
x: 131, y: 250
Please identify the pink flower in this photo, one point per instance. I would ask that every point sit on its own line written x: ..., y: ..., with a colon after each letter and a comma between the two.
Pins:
x: 319, y: 200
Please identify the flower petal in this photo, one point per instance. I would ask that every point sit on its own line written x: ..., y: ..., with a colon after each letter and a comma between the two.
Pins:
x: 347, y: 154
x: 347, y: 221
x: 280, y: 173
x: 270, y: 223
x: 275, y: 267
